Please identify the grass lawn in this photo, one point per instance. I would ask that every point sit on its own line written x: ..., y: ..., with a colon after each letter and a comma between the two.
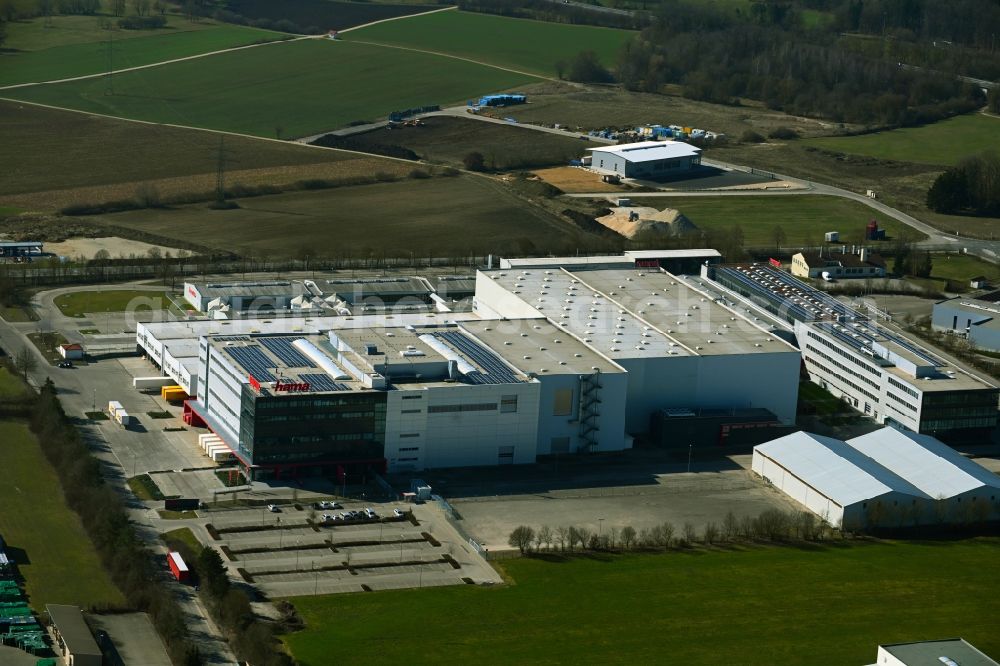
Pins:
x: 525, y: 45
x: 945, y: 142
x: 17, y: 313
x: 47, y: 343
x: 437, y: 217
x: 805, y: 218
x: 902, y: 185
x: 816, y: 399
x: 77, y: 303
x: 11, y: 386
x: 448, y: 140
x: 182, y: 535
x: 43, y: 536
x: 758, y: 606
x: 145, y: 488
x: 962, y: 267
x: 47, y: 59
x: 301, y: 88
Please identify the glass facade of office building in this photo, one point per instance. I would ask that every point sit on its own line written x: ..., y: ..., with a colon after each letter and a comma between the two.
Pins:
x: 960, y: 415
x: 313, y: 434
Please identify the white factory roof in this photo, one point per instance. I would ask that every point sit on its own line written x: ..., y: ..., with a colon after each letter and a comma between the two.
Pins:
x: 196, y: 328
x: 833, y: 468
x: 933, y: 653
x: 248, y: 288
x: 537, y: 346
x: 565, y: 262
x: 691, y: 253
x: 935, y: 468
x: 649, y: 151
x: 633, y: 313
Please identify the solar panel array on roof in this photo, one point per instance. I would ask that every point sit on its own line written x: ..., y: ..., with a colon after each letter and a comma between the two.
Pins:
x: 232, y: 338
x: 253, y: 361
x: 289, y: 355
x: 320, y: 382
x: 494, y: 371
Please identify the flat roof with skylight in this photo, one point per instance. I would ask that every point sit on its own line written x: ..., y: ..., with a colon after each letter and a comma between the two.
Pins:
x: 649, y: 151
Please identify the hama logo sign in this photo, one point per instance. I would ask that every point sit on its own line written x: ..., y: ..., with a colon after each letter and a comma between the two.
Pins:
x: 286, y: 387
x: 291, y: 387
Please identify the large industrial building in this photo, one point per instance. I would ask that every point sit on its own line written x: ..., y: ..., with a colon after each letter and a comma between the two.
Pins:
x: 646, y: 159
x: 976, y: 318
x: 242, y: 296
x: 886, y: 478
x: 550, y: 361
x: 869, y: 366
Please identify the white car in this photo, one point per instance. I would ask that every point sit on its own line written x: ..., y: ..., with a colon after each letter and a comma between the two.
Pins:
x: 274, y: 508
x: 399, y: 513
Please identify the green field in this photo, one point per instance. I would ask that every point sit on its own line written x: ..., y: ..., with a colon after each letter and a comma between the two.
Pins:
x: 945, y: 142
x: 48, y: 59
x: 962, y: 268
x: 437, y: 217
x: 75, y: 304
x: 104, y: 164
x: 44, y: 537
x: 805, y: 218
x: 817, y: 605
x: 11, y: 386
x: 36, y: 34
x: 302, y: 87
x: 448, y: 140
x: 528, y: 46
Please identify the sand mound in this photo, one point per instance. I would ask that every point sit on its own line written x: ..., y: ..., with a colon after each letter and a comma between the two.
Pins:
x: 633, y: 221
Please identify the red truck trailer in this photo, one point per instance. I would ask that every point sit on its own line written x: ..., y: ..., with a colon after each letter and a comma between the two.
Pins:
x: 178, y: 567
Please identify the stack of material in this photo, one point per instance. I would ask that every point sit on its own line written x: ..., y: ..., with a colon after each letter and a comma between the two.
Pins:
x: 633, y: 221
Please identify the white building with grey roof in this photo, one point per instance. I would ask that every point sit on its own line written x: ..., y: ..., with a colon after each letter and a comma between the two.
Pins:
x: 887, y: 478
x: 681, y: 349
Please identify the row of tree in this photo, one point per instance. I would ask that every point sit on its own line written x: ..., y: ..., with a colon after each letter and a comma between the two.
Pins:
x: 253, y: 640
x: 105, y: 519
x: 788, y: 71
x: 770, y: 525
x: 131, y: 565
x: 972, y: 187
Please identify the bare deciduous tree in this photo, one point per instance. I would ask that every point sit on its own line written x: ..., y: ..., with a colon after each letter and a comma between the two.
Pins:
x: 521, y: 538
x: 25, y: 362
x: 628, y: 537
x: 730, y: 526
x: 545, y: 536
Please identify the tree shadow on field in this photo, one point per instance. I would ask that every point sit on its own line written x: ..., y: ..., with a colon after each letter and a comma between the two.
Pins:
x: 562, y: 558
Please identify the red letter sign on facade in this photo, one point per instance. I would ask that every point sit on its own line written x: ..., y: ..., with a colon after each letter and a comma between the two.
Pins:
x: 254, y: 383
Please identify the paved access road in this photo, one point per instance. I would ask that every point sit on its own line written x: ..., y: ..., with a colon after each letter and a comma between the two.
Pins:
x: 78, y: 389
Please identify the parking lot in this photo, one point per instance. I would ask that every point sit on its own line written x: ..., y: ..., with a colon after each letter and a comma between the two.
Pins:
x: 642, y: 491
x: 287, y: 554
